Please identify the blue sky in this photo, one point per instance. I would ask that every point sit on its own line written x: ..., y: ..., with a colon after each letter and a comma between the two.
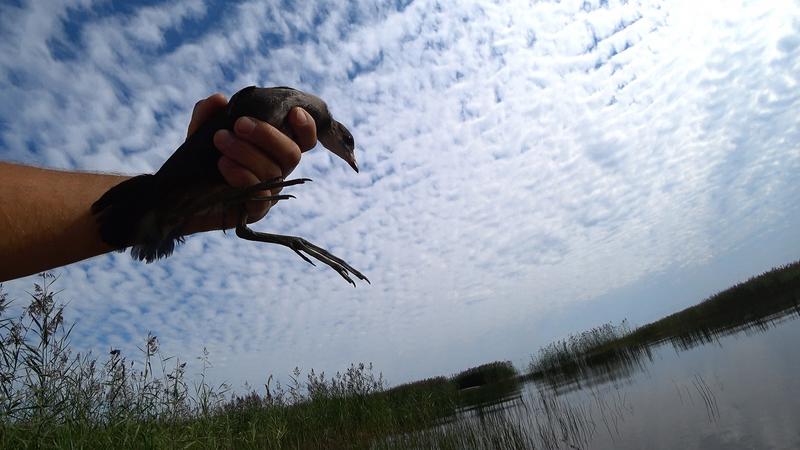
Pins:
x: 528, y: 170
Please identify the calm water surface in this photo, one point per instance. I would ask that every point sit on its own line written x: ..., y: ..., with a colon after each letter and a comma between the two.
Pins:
x: 737, y: 391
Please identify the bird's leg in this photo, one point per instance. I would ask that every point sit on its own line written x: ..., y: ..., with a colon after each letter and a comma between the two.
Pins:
x: 299, y: 244
x: 266, y: 198
x: 229, y: 196
x: 240, y: 195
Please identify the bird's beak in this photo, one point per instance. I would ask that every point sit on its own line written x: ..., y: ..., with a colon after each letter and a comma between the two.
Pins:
x: 333, y: 141
x: 352, y: 161
x: 349, y: 156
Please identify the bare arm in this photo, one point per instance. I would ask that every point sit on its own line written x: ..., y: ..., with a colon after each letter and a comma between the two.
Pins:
x: 45, y: 218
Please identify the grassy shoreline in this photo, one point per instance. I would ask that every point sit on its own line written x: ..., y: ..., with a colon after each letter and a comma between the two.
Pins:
x: 755, y: 303
x: 51, y: 397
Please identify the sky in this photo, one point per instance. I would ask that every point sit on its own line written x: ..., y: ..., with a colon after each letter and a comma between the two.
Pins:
x: 528, y: 169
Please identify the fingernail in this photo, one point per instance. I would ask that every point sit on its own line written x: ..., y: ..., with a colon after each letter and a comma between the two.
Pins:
x: 226, y: 138
x: 245, y: 125
x: 300, y: 117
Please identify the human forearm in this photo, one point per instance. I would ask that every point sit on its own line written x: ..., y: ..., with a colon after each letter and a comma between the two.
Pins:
x: 45, y: 218
x: 45, y: 215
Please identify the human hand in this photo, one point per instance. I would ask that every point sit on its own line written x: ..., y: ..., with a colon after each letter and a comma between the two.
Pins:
x: 255, y: 151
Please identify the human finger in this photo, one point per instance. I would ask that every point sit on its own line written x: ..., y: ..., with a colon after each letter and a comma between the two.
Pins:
x: 270, y: 141
x: 204, y: 109
x: 247, y: 155
x: 304, y: 128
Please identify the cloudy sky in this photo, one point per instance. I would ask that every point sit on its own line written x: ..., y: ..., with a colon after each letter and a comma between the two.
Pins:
x: 529, y: 169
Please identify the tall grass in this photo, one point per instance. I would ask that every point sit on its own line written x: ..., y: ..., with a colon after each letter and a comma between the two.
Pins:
x: 535, y: 419
x: 575, y: 349
x: 51, y: 396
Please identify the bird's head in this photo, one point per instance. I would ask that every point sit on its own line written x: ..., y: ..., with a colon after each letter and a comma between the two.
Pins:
x: 338, y: 140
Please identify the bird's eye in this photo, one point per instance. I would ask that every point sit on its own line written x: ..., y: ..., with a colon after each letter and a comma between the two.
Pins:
x: 349, y: 140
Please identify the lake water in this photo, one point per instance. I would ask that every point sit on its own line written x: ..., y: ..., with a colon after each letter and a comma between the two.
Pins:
x: 738, y: 390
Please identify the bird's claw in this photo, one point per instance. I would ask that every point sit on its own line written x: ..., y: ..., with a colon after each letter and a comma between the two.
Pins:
x: 272, y: 183
x: 271, y: 198
x: 336, y: 263
x: 300, y: 246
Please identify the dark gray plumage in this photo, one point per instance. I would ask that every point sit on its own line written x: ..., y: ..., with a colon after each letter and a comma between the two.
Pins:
x: 150, y: 212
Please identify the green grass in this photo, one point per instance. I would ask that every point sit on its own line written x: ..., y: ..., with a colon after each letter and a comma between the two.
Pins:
x: 51, y: 397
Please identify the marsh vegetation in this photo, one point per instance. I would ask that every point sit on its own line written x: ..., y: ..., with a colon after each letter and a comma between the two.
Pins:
x: 51, y: 396
x: 613, y: 351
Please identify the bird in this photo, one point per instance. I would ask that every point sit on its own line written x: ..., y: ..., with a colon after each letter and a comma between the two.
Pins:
x: 149, y: 212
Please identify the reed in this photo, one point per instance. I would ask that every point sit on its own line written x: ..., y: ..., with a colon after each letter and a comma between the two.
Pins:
x: 51, y: 396
x: 614, y: 351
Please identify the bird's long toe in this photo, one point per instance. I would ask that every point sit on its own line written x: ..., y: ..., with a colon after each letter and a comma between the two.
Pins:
x: 331, y: 260
x: 300, y: 246
x: 339, y: 265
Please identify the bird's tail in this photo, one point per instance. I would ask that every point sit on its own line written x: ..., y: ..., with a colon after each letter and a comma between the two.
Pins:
x: 123, y: 214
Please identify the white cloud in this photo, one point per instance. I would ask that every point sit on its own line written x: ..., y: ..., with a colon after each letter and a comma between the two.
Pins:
x: 516, y: 158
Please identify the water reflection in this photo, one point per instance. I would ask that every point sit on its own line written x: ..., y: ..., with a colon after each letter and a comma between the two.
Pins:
x: 531, y: 415
x: 708, y: 397
x: 619, y: 365
x: 658, y: 386
x: 611, y: 353
x: 479, y: 398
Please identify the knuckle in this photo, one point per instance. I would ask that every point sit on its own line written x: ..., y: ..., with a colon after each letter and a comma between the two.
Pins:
x: 293, y: 156
x: 272, y: 171
x: 273, y: 135
x: 280, y: 146
x: 262, y: 134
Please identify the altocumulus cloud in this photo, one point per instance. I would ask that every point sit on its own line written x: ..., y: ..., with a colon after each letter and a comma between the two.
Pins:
x: 516, y: 157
